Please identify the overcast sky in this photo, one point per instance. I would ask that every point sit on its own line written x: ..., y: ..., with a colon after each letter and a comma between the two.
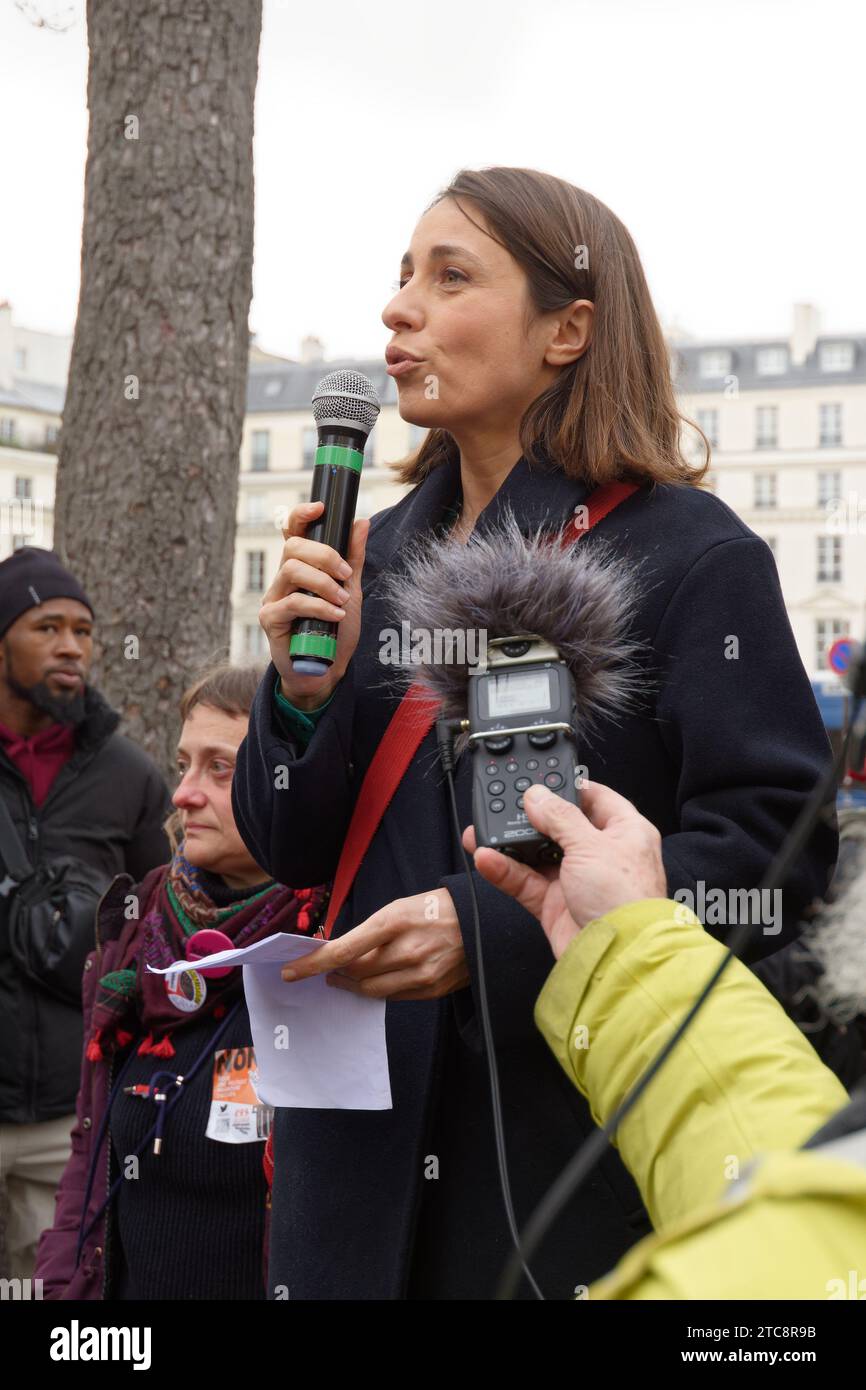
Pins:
x: 727, y: 134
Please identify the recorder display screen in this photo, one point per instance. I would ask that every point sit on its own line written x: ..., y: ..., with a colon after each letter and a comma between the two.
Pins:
x: 518, y: 692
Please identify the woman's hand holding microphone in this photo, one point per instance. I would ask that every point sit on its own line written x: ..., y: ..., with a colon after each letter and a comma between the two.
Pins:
x: 309, y: 565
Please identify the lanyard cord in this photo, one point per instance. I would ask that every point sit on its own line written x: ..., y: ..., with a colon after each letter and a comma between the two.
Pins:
x: 165, y: 1101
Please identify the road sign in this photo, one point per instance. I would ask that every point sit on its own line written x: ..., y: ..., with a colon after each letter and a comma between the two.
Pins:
x: 840, y: 655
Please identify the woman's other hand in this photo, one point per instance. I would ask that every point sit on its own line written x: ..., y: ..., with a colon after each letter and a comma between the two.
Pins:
x: 410, y: 949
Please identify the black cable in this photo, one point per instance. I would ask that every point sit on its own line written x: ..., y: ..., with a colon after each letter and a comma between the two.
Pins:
x: 592, y: 1150
x: 445, y: 729
x: 168, y: 1104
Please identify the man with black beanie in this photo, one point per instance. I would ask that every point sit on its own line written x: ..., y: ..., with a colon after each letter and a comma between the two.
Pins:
x: 72, y: 785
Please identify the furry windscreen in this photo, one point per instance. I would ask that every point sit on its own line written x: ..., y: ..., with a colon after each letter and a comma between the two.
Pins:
x: 506, y: 584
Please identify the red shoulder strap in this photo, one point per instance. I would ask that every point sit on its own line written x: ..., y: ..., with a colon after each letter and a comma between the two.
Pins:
x: 598, y: 504
x: 412, y: 720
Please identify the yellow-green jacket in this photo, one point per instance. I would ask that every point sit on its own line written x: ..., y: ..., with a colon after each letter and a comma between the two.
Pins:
x: 743, y: 1082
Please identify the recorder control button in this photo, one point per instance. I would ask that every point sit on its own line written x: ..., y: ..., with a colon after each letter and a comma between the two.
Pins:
x: 498, y: 745
x: 497, y: 805
x: 512, y: 766
x: 496, y: 788
x: 531, y: 764
x: 543, y: 740
x: 491, y: 769
x: 520, y: 803
x: 553, y: 780
x: 552, y: 762
x: 522, y: 783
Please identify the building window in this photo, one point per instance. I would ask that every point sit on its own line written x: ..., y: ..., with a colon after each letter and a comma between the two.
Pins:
x: 255, y: 571
x: 829, y: 488
x: 765, y: 490
x: 256, y: 510
x: 766, y: 426
x: 827, y: 631
x: 24, y: 489
x: 51, y: 434
x: 709, y: 422
x: 18, y: 541
x: 310, y: 443
x: 771, y: 361
x: 830, y: 424
x: 829, y: 559
x: 255, y: 641
x: 836, y: 357
x: 714, y: 364
x: 261, y: 451
x: 7, y: 428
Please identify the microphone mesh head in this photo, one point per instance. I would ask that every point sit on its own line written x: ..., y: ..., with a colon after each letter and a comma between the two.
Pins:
x: 346, y: 398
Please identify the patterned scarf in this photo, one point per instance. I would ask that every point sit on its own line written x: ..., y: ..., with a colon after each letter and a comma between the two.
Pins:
x: 172, y: 906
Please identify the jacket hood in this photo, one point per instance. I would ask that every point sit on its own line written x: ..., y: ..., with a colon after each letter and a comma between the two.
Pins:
x: 100, y: 719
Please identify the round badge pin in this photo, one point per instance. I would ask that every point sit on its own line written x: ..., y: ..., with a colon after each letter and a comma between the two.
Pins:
x: 186, y: 990
x: 206, y: 943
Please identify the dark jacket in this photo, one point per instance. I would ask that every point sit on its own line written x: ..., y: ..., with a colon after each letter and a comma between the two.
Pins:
x: 721, y: 761
x: 55, y: 1264
x: 106, y: 806
x: 104, y: 1269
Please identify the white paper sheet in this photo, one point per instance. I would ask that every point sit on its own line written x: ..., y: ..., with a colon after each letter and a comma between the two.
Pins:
x: 317, y: 1047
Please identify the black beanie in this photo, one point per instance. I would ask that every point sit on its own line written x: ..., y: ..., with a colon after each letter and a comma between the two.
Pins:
x: 30, y: 576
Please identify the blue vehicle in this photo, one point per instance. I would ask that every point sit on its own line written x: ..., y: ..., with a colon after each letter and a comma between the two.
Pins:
x: 834, y: 702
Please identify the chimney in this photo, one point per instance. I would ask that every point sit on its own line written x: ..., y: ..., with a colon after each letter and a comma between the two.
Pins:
x: 312, y: 349
x: 7, y: 346
x: 805, y: 332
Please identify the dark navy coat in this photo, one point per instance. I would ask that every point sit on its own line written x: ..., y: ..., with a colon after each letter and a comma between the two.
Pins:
x: 721, y: 762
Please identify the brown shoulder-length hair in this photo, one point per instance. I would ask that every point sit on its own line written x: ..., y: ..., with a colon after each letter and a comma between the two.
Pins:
x: 612, y: 414
x: 230, y: 689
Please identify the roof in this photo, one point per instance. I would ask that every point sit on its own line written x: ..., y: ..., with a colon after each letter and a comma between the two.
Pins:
x: 34, y: 395
x: 271, y: 386
x: 290, y: 386
x: 743, y: 365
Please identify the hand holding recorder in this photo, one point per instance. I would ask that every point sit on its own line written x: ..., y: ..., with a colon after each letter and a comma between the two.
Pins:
x: 611, y: 856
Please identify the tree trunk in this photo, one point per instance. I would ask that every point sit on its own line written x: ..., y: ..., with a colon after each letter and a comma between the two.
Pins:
x: 147, y: 477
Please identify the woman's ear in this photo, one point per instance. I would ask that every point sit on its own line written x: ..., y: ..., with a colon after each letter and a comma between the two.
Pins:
x: 571, y: 333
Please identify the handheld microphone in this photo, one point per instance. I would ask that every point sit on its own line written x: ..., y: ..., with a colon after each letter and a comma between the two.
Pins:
x: 551, y: 655
x: 345, y: 408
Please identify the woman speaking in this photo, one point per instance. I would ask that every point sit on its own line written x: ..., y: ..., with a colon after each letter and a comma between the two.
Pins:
x: 524, y: 338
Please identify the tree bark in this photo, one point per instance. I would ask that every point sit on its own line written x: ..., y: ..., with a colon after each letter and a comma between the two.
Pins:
x: 147, y: 476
